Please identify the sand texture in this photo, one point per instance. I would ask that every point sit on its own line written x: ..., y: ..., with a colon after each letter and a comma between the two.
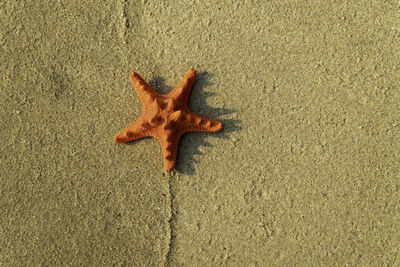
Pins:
x: 306, y: 171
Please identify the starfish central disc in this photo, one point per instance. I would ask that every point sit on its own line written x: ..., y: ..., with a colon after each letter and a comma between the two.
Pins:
x: 166, y: 117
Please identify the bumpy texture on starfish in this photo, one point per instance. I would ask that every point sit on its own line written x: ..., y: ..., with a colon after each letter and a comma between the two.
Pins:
x: 166, y: 117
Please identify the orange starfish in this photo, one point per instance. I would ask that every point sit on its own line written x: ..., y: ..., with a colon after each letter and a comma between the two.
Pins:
x: 166, y: 117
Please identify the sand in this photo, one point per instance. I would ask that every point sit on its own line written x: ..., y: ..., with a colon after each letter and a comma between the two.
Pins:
x: 306, y: 171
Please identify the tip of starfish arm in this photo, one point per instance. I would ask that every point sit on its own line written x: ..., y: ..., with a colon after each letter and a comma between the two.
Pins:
x: 121, y: 138
x: 213, y: 126
x: 218, y: 126
x: 170, y: 167
x: 118, y: 140
x: 191, y: 73
x: 136, y: 78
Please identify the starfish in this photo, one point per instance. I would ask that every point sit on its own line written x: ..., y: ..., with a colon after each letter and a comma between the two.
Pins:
x: 166, y: 117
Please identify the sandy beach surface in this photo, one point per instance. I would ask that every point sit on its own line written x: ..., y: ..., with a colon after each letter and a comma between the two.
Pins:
x: 305, y: 173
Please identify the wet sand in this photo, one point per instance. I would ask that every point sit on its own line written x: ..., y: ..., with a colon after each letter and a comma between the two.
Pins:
x: 305, y: 172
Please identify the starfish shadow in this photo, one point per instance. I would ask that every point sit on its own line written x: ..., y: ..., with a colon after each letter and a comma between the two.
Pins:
x: 190, y: 142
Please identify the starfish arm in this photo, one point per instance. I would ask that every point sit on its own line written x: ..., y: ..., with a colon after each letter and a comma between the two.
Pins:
x: 184, y: 87
x: 143, y: 90
x: 169, y: 143
x: 136, y: 130
x: 201, y: 124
